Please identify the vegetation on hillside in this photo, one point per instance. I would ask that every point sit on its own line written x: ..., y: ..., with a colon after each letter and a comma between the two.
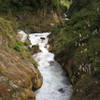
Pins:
x: 33, y: 15
x: 18, y: 70
x: 17, y: 5
x: 77, y: 47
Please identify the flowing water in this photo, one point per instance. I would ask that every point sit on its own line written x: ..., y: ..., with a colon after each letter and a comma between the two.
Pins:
x: 56, y: 85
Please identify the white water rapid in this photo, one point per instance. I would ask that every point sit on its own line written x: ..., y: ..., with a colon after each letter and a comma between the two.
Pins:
x: 55, y: 82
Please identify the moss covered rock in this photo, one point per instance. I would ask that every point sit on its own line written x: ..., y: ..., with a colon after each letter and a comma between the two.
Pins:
x: 18, y: 73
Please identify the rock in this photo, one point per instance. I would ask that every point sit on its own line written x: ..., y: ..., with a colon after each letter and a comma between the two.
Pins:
x: 18, y: 73
x: 17, y: 77
x: 61, y: 90
x: 42, y: 38
x: 35, y: 49
x: 52, y: 24
x: 22, y: 36
x: 37, y: 83
x: 47, y: 46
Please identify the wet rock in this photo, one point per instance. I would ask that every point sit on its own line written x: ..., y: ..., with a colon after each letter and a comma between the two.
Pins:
x: 42, y: 38
x: 47, y: 46
x: 61, y: 90
x: 35, y: 49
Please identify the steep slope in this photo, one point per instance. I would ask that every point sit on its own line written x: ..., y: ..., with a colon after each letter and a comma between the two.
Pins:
x: 18, y: 71
x: 77, y: 48
x: 19, y: 74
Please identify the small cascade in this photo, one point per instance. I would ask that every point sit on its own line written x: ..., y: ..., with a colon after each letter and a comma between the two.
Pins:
x: 56, y: 85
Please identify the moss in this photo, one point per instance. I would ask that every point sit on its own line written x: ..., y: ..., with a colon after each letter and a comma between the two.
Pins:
x: 8, y: 40
x: 19, y: 46
x: 7, y: 32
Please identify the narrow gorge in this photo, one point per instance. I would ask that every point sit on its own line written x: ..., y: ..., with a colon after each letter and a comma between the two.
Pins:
x: 49, y: 49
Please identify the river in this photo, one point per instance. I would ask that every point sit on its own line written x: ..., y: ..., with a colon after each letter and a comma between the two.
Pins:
x: 56, y: 85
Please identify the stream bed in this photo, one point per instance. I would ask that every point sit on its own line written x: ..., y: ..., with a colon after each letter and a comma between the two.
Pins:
x: 56, y: 85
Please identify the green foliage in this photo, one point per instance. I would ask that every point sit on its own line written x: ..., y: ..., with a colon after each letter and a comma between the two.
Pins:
x: 79, y: 41
x: 29, y: 5
x: 19, y: 46
x: 22, y: 48
x: 79, y: 28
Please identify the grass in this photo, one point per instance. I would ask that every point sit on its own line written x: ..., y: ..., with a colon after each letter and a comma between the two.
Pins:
x: 9, y: 41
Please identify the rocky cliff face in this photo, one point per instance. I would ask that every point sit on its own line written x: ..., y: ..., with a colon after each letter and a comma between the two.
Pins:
x: 76, y: 45
x: 19, y: 74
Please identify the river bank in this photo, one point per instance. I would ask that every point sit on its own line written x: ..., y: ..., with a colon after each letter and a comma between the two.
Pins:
x: 19, y: 74
x: 76, y: 46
